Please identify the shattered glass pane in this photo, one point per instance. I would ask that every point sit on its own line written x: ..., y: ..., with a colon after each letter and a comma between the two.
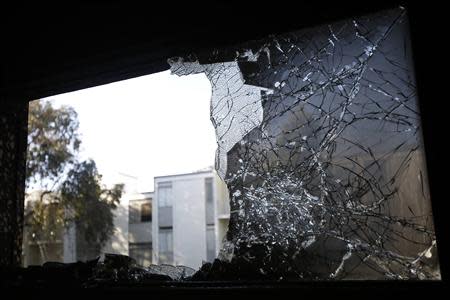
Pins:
x: 319, y: 142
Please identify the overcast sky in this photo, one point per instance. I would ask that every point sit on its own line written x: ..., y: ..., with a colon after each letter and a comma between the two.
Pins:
x: 147, y: 126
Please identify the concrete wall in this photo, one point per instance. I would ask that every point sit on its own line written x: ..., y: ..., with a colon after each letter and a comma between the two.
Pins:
x: 189, y: 227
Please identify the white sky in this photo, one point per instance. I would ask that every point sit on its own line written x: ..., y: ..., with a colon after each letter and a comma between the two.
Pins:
x: 147, y: 126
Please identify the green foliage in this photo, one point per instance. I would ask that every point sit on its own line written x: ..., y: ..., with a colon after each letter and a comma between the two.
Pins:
x: 71, y: 191
x: 53, y: 141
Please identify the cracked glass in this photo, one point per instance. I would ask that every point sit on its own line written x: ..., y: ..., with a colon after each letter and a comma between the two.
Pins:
x: 320, y: 172
x: 319, y: 142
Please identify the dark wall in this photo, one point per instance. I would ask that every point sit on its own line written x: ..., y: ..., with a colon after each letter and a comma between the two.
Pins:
x: 50, y: 49
x: 13, y: 136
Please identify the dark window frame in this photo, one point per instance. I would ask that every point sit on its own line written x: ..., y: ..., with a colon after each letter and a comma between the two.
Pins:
x: 52, y: 86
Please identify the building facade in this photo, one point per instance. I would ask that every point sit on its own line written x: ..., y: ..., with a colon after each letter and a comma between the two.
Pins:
x: 190, y: 218
x: 65, y: 243
x: 183, y: 222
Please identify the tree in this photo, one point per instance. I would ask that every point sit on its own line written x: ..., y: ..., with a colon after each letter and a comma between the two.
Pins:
x: 91, y: 203
x: 70, y: 190
x: 53, y: 142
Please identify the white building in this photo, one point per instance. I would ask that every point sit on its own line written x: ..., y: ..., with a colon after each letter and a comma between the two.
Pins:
x: 190, y: 218
x: 55, y: 246
x: 182, y: 223
x: 65, y: 245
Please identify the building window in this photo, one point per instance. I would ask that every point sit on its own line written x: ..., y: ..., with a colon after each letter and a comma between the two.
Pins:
x: 164, y: 194
x: 209, y: 201
x: 210, y: 222
x: 165, y: 248
x: 210, y: 243
x: 142, y: 253
x: 133, y: 212
x: 146, y: 212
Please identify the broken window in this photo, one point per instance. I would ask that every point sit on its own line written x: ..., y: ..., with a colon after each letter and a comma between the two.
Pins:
x: 320, y: 145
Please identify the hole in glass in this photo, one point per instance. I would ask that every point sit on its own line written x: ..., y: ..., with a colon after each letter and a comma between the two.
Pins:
x: 125, y: 168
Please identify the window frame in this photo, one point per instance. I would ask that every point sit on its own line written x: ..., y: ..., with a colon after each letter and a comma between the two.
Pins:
x: 167, y: 233
x: 432, y: 165
x: 167, y: 199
